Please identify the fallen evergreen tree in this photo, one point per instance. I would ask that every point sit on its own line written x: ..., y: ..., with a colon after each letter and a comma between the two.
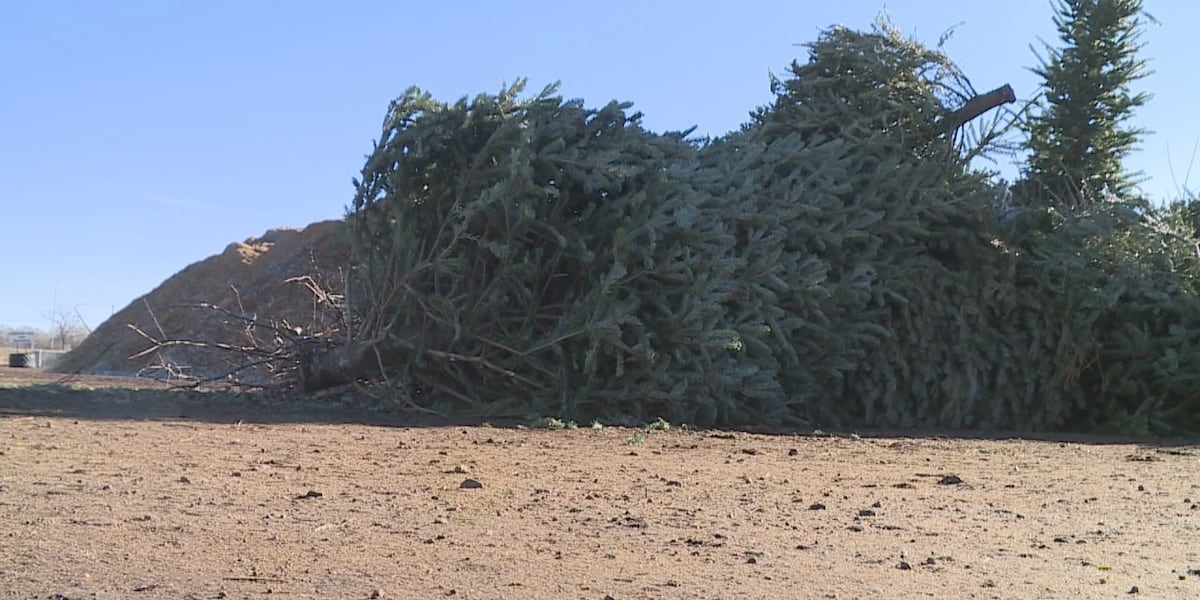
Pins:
x: 1118, y: 290
x: 535, y: 257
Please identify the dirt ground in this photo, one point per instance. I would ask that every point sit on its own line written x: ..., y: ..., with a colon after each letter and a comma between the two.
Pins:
x: 146, y: 493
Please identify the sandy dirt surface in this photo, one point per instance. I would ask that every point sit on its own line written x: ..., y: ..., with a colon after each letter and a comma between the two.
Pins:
x: 138, y: 494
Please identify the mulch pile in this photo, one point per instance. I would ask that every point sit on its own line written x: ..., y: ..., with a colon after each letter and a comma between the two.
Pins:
x: 248, y: 278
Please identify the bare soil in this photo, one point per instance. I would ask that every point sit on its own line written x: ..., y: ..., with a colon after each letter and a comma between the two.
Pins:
x: 139, y: 492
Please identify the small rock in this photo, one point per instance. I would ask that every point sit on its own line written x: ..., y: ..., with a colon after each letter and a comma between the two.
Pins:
x: 184, y: 479
x: 866, y: 512
x: 793, y: 452
x: 904, y: 566
x: 309, y: 494
x: 376, y: 595
x: 816, y: 506
x: 470, y: 484
x: 950, y: 480
x: 1133, y: 590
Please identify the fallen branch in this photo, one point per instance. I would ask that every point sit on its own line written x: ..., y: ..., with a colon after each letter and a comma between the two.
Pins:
x: 280, y: 356
x: 160, y: 344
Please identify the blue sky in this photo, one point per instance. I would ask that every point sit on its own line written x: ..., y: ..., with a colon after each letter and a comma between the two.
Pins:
x: 139, y: 137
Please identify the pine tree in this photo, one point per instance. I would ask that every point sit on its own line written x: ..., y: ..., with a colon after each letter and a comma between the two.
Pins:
x: 1080, y: 138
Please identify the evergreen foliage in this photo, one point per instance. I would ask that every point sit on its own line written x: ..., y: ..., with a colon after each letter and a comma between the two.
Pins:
x: 1119, y: 285
x: 535, y: 257
x: 1080, y: 138
x: 861, y: 187
x: 836, y: 262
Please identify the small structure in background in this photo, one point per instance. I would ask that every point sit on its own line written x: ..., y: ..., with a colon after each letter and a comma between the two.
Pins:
x: 26, y: 355
x: 21, y: 340
x: 34, y: 359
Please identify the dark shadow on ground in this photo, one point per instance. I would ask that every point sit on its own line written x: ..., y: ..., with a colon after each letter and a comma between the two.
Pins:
x: 55, y: 400
x: 66, y: 402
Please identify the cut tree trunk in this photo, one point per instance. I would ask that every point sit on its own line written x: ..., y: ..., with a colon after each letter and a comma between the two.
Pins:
x: 977, y: 106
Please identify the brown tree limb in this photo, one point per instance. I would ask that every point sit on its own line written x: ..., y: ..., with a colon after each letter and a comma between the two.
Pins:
x: 977, y: 106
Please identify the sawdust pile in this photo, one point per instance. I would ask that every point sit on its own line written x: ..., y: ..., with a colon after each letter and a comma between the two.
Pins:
x: 247, y: 278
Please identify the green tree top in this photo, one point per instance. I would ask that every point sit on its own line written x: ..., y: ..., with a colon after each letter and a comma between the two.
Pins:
x: 1079, y: 139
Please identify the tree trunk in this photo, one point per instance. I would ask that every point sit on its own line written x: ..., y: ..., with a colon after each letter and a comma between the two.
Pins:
x: 977, y: 106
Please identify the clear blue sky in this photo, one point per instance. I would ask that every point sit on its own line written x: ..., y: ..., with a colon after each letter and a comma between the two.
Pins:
x: 139, y: 137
